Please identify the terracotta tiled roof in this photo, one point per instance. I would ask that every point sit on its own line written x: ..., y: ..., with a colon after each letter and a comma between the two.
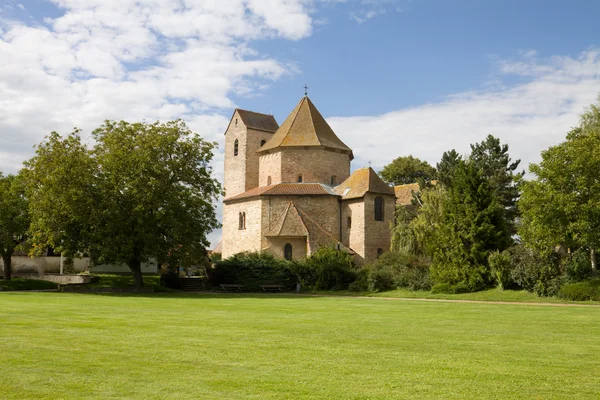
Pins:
x: 361, y: 182
x: 290, y: 224
x: 404, y: 193
x: 305, y: 126
x: 218, y: 247
x: 258, y: 121
x: 287, y: 189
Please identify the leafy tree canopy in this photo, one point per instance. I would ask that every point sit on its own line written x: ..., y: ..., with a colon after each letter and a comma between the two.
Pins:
x: 561, y: 205
x: 14, y: 219
x: 143, y: 192
x: 404, y: 170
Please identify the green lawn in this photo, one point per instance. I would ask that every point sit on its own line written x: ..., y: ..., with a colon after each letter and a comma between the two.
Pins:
x: 484, y: 295
x: 27, y: 284
x: 216, y: 346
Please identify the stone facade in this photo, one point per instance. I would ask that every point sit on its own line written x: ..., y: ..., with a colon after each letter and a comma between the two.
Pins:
x: 268, y: 208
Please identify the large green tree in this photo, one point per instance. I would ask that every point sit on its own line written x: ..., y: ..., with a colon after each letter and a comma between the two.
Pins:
x: 14, y: 219
x: 405, y: 170
x: 144, y: 192
x: 561, y: 205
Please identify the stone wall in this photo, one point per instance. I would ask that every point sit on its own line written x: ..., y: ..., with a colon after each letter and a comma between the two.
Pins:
x: 253, y: 140
x: 270, y: 166
x: 314, y: 164
x: 275, y: 246
x: 354, y: 236
x: 235, y: 166
x: 237, y: 240
x: 44, y: 265
x: 377, y: 233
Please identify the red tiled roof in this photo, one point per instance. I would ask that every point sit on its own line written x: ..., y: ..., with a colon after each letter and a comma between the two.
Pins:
x: 285, y: 189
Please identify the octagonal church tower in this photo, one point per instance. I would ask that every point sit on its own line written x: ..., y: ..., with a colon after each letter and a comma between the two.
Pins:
x: 291, y: 192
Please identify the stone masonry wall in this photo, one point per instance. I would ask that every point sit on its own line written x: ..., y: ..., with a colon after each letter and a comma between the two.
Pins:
x: 253, y: 140
x: 316, y: 165
x: 269, y: 165
x: 275, y: 246
x: 237, y: 240
x: 354, y: 237
x: 235, y: 166
x: 377, y: 233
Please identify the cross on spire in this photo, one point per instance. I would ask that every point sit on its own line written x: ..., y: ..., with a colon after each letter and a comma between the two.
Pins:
x: 370, y: 164
x: 305, y: 89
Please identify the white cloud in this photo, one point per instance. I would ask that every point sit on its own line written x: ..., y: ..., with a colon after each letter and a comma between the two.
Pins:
x: 529, y: 116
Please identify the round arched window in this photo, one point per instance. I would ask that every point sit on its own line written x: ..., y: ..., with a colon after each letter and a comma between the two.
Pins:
x: 269, y: 180
x: 287, y: 251
x: 262, y: 142
x: 378, y: 208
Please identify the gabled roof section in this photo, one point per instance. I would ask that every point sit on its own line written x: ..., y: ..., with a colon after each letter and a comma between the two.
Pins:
x: 290, y: 224
x: 361, y: 182
x: 257, y: 121
x: 287, y: 189
x: 305, y: 126
x: 404, y: 193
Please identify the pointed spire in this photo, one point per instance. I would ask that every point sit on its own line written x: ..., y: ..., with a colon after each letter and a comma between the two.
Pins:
x: 305, y: 126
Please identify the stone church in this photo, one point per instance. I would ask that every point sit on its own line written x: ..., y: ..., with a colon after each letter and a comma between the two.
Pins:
x: 289, y: 191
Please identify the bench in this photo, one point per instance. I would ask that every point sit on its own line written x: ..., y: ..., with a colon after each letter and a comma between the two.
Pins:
x: 271, y: 288
x: 229, y: 287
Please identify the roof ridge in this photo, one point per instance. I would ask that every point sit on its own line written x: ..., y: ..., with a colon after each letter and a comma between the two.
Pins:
x: 254, y: 112
x: 312, y: 119
x: 316, y: 223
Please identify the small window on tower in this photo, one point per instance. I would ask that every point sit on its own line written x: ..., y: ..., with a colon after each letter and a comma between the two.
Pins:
x: 299, y: 178
x: 332, y: 180
x: 235, y: 147
x: 268, y: 180
x: 287, y: 252
x: 379, y: 252
x: 242, y: 221
x: 262, y: 142
x: 378, y: 208
x: 236, y: 122
x: 349, y: 222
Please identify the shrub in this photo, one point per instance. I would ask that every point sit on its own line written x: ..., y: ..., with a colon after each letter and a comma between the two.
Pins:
x: 407, y: 271
x: 501, y: 267
x: 446, y: 288
x: 326, y: 269
x: 581, y: 291
x: 381, y: 279
x: 579, y: 267
x: 253, y: 270
x: 169, y: 278
x: 535, y: 271
x: 361, y: 283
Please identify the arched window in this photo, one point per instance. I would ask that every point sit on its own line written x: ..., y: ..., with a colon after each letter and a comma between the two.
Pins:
x: 332, y: 180
x: 299, y: 178
x: 349, y: 222
x: 235, y: 147
x: 262, y: 142
x: 378, y: 208
x: 269, y: 180
x: 379, y: 252
x: 242, y: 221
x: 287, y: 252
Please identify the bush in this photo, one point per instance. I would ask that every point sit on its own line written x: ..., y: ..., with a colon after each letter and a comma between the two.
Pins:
x: 406, y: 271
x: 579, y: 267
x: 501, y: 268
x: 326, y: 269
x: 535, y: 271
x: 446, y: 288
x: 581, y: 291
x: 361, y: 283
x: 253, y: 270
x: 169, y: 278
x: 381, y: 279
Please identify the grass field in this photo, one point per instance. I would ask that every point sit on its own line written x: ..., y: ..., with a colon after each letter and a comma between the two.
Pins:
x: 187, y: 346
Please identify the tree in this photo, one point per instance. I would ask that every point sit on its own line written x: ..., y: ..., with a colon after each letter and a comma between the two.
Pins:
x: 14, y: 219
x: 404, y: 170
x: 446, y: 168
x: 493, y: 160
x: 473, y: 226
x: 144, y: 192
x: 562, y: 204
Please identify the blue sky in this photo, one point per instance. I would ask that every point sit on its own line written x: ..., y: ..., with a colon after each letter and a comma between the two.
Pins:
x: 392, y: 77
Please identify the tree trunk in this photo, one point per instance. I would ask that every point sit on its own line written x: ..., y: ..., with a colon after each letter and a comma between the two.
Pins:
x: 136, y: 269
x: 593, y: 259
x: 7, y: 259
